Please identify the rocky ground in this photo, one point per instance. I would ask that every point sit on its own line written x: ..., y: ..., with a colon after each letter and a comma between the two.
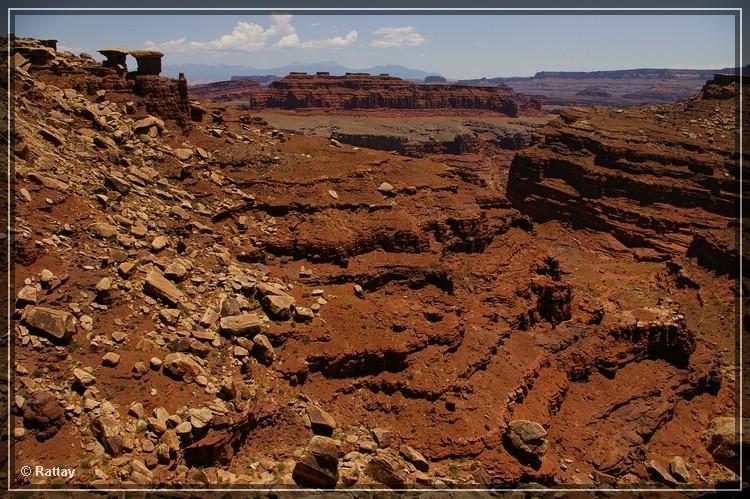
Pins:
x: 229, y: 303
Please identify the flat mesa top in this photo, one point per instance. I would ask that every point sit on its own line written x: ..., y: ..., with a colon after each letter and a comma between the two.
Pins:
x: 146, y: 53
x: 114, y: 50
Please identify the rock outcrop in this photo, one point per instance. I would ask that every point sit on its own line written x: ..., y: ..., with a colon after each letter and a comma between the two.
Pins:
x: 653, y: 177
x: 363, y: 91
x: 155, y: 94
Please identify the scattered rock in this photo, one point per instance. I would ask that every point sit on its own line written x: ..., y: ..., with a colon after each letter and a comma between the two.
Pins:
x: 240, y: 325
x: 414, y: 457
x: 678, y: 469
x: 182, y: 366
x: 157, y: 285
x: 263, y: 350
x: 110, y: 359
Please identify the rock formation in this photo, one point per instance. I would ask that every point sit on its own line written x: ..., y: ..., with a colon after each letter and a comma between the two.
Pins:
x: 654, y: 177
x: 363, y: 91
x: 149, y: 91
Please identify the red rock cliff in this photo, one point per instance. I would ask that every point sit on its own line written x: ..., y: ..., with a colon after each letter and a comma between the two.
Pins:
x: 656, y: 176
x: 363, y: 91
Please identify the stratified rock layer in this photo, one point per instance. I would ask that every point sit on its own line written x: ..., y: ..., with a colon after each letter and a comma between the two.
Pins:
x: 653, y: 177
x: 363, y: 91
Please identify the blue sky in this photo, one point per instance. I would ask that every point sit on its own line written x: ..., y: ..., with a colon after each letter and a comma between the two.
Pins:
x: 457, y: 46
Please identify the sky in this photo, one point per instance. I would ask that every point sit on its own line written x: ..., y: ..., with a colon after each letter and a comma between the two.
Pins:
x: 456, y: 46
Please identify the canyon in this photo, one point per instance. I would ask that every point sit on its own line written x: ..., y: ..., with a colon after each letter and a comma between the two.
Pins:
x: 232, y: 285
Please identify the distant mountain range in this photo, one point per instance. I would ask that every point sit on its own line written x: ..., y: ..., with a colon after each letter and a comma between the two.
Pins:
x: 205, y: 73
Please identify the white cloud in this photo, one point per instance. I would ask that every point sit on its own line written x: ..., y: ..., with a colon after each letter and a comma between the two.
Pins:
x: 397, y: 37
x: 289, y: 41
x: 334, y: 42
x: 251, y: 37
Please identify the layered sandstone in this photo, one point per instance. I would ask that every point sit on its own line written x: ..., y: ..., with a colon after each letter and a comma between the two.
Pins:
x: 363, y: 91
x: 653, y: 177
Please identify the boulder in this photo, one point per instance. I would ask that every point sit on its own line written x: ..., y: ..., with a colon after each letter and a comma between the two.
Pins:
x: 236, y: 325
x: 318, y: 464
x: 280, y: 307
x: 723, y: 435
x: 182, y: 366
x: 56, y: 324
x: 83, y: 377
x: 27, y: 296
x: 43, y: 410
x: 110, y: 359
x: 678, y: 469
x: 389, y: 469
x: 321, y: 422
x: 159, y: 243
x: 382, y: 436
x: 527, y: 437
x: 108, y: 431
x: 263, y: 350
x: 175, y: 271
x: 160, y: 287
x: 414, y: 457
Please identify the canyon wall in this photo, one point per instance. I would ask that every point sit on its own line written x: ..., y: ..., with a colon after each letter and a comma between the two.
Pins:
x: 363, y: 91
x: 654, y: 177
